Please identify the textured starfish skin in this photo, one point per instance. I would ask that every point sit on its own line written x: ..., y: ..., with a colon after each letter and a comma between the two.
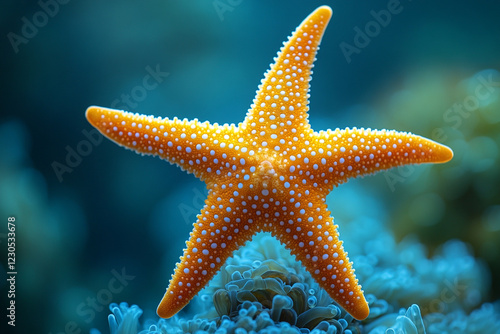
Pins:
x: 271, y: 172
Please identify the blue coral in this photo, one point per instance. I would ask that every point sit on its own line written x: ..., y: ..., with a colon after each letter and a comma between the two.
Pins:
x: 262, y: 289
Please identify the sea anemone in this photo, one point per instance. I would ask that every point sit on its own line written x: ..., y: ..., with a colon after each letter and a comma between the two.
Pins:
x: 263, y: 289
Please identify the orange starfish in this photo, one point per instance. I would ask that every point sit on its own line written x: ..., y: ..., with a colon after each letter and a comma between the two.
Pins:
x: 271, y: 173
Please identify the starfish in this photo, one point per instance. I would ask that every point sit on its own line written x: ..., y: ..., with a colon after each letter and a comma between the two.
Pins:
x: 271, y: 172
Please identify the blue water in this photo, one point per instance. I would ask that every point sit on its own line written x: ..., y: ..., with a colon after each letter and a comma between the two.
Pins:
x: 111, y: 212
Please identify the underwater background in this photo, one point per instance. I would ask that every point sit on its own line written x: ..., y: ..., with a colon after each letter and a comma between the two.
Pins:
x: 97, y: 225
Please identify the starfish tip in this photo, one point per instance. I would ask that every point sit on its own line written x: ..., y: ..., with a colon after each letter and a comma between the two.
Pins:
x: 164, y: 309
x: 361, y: 311
x: 326, y: 9
x: 322, y: 12
x: 92, y: 113
x: 448, y: 154
x: 445, y: 153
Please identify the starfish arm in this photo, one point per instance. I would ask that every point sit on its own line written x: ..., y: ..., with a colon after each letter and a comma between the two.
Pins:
x: 336, y: 156
x: 281, y: 104
x: 312, y: 236
x: 220, y: 229
x: 196, y: 147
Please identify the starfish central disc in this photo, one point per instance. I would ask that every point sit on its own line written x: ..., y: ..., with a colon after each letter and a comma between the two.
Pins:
x: 266, y: 175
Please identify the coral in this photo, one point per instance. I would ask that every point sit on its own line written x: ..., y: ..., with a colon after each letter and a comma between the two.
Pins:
x: 262, y: 289
x: 483, y: 320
